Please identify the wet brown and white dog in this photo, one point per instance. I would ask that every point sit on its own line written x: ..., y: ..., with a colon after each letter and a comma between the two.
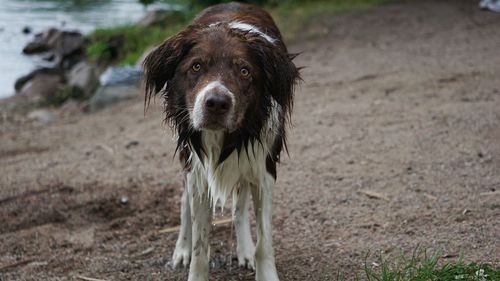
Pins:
x: 228, y: 83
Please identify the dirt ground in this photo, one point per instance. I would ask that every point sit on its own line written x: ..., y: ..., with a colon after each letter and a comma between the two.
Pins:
x: 401, y: 100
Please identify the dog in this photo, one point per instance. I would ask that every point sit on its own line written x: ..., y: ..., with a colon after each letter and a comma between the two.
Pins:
x: 227, y: 80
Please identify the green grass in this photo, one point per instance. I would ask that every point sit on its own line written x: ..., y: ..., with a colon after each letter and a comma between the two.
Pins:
x: 133, y: 41
x: 290, y: 15
x: 422, y: 266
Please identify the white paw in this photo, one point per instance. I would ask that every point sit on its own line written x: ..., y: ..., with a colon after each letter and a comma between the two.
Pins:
x: 182, y: 255
x: 246, y: 256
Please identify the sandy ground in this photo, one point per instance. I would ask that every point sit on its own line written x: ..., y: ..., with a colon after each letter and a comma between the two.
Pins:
x: 402, y: 101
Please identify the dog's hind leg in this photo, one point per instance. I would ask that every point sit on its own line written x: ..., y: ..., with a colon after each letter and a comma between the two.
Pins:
x: 182, y: 252
x: 265, y: 268
x: 201, y: 216
x: 245, y: 248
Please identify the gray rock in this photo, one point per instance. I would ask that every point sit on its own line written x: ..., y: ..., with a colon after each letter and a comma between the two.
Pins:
x: 42, y: 115
x: 21, y: 81
x: 83, y: 75
x: 111, y: 94
x: 65, y: 47
x: 42, y: 85
x: 124, y: 75
x: 35, y: 48
x: 61, y: 42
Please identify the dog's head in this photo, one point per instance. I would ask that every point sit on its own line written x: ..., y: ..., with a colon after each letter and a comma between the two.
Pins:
x: 214, y: 76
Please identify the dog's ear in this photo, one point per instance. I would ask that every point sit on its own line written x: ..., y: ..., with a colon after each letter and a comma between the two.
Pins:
x: 160, y: 65
x: 280, y: 75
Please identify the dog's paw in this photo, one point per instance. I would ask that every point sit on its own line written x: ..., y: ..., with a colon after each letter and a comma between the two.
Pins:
x: 246, y: 257
x: 181, y: 256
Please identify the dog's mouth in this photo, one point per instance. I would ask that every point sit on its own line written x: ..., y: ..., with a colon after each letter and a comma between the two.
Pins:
x: 213, y: 124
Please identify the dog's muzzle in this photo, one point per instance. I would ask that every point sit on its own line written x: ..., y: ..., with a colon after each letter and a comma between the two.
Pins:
x: 213, y: 108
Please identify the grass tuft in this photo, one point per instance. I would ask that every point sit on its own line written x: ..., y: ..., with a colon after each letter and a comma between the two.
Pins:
x: 422, y: 266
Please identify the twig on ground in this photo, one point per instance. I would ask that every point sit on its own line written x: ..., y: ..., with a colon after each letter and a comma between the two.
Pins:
x: 497, y: 192
x: 373, y: 194
x: 14, y: 265
x: 88, y: 278
x: 430, y: 197
x: 106, y: 147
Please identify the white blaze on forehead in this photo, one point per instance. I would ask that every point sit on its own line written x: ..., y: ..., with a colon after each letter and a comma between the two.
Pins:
x: 252, y: 29
x: 200, y: 100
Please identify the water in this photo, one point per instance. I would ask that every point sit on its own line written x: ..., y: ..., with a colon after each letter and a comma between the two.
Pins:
x: 38, y: 15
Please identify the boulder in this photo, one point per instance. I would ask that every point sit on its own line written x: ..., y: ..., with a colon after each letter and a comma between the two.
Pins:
x: 61, y: 42
x: 123, y: 75
x: 35, y: 48
x: 42, y: 86
x: 62, y: 45
x: 117, y: 84
x: 108, y: 95
x: 18, y: 85
x: 160, y: 16
x: 84, y: 76
x: 41, y: 42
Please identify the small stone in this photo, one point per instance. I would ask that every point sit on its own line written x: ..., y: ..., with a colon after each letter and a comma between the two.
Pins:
x: 147, y: 251
x: 131, y: 144
x: 42, y: 115
x: 124, y: 200
x: 26, y: 30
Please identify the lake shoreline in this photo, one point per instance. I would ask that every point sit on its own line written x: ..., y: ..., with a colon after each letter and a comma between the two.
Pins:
x: 21, y: 20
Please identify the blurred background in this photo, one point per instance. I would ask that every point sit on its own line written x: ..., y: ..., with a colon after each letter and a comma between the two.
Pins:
x: 20, y: 20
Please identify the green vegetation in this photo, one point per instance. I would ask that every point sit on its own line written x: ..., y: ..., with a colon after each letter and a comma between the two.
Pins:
x: 125, y: 44
x: 422, y: 266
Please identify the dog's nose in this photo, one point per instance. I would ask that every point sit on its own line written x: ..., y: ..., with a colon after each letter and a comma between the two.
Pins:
x: 218, y: 103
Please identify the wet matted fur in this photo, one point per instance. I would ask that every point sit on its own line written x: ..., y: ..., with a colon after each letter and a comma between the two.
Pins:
x: 227, y: 80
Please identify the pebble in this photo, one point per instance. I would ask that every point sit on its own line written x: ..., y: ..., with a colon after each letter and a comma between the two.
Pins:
x: 131, y: 144
x: 124, y: 200
x: 42, y: 115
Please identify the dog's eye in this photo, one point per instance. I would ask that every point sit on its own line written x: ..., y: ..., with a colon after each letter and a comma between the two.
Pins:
x: 196, y: 67
x: 244, y: 72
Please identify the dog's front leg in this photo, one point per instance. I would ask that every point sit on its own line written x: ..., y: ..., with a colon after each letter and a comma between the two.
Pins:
x: 245, y: 248
x: 265, y: 268
x: 182, y: 252
x: 201, y: 216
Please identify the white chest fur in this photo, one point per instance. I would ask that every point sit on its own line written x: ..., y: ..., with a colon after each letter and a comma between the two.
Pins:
x: 219, y: 180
